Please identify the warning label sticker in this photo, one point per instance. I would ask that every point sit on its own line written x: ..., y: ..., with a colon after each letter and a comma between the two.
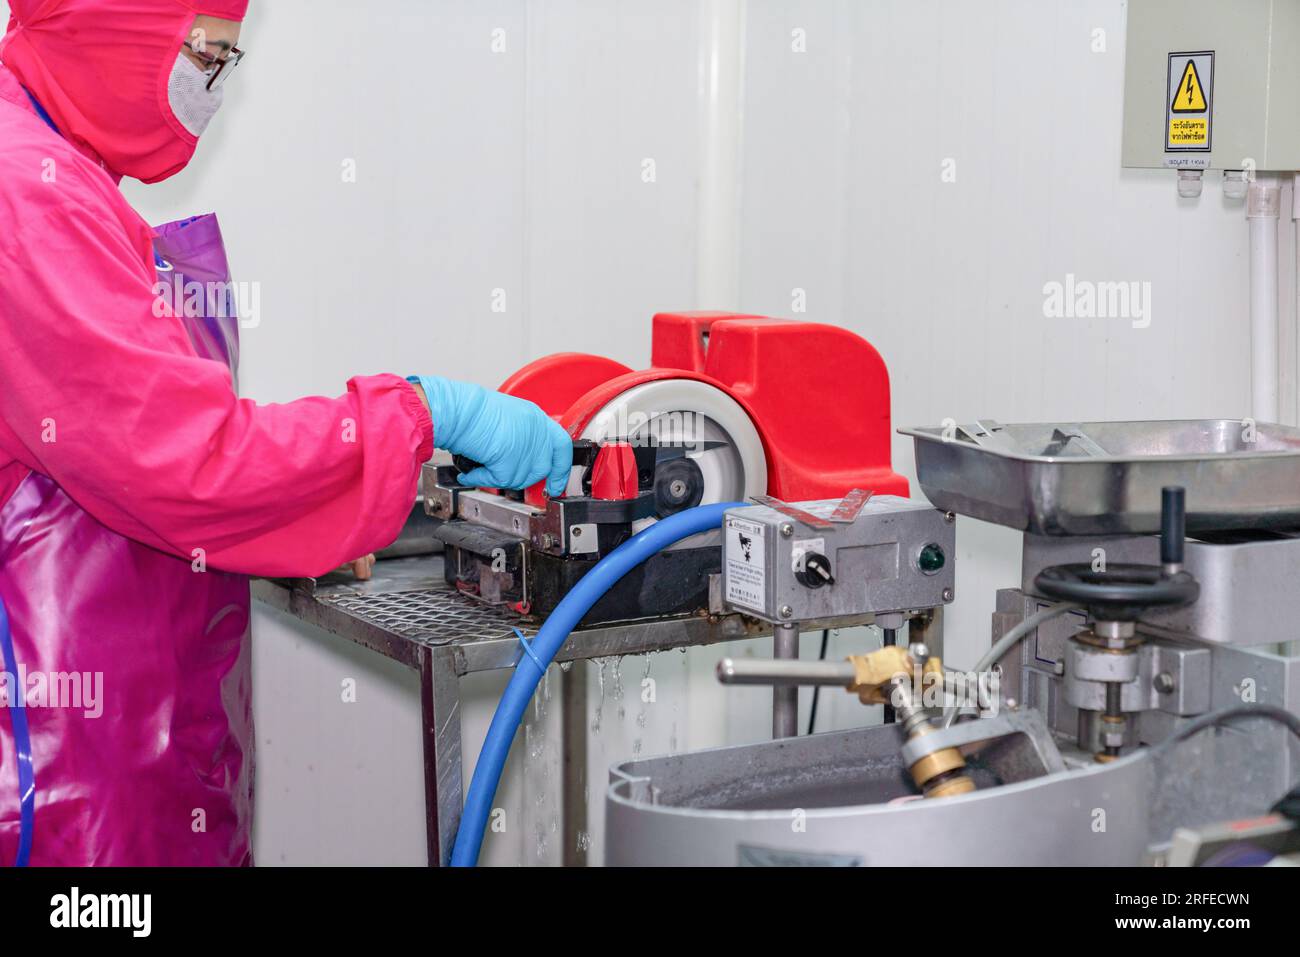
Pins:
x: 745, y: 557
x: 1189, y: 102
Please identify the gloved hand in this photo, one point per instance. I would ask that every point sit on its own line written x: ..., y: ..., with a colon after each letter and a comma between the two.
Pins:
x: 516, y: 442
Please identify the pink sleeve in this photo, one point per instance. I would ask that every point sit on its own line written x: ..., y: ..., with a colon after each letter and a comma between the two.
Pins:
x: 112, y: 403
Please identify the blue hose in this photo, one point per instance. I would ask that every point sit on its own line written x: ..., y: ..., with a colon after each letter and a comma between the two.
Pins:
x: 22, y: 746
x: 554, y: 631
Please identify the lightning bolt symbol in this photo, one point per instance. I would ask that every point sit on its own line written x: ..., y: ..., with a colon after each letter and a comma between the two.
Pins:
x: 1189, y: 88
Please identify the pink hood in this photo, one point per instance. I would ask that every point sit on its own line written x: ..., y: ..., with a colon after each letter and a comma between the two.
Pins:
x: 100, y: 69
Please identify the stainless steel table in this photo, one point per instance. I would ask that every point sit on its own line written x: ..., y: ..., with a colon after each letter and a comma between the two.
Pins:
x: 408, y: 613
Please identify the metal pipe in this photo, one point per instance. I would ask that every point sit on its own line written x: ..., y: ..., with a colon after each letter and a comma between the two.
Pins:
x: 760, y: 671
x: 1288, y: 373
x: 1263, y: 202
x: 785, y: 697
x: 721, y: 101
x: 840, y: 674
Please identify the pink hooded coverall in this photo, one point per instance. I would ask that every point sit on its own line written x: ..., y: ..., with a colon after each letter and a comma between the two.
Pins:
x: 137, y: 489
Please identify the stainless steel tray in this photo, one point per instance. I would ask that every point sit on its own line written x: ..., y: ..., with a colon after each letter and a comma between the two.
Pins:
x: 1104, y: 478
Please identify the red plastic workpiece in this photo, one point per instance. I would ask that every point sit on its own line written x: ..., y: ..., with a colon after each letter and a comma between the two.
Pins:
x: 613, y: 474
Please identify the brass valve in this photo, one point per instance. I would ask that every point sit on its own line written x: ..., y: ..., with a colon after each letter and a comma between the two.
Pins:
x: 874, y: 671
x: 890, y: 676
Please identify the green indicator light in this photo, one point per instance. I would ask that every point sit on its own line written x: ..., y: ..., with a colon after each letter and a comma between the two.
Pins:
x: 931, y: 559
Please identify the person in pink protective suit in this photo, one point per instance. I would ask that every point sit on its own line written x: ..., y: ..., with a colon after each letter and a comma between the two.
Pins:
x: 137, y: 490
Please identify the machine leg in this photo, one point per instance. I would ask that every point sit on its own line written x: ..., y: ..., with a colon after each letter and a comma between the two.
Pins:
x: 785, y: 699
x: 443, y: 787
x: 889, y: 638
x: 573, y: 688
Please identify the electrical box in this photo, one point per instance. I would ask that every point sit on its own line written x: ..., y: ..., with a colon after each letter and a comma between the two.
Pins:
x: 895, y: 555
x: 1212, y: 85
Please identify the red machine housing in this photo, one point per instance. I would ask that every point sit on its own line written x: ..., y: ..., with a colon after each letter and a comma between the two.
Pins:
x: 818, y: 395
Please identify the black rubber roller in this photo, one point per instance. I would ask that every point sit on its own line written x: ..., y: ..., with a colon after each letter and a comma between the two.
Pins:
x: 679, y: 485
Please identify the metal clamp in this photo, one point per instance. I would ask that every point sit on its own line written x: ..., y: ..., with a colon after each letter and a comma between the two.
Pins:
x: 1042, y: 756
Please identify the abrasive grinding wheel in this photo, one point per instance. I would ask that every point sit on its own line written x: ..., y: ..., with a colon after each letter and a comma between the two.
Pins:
x: 729, y: 459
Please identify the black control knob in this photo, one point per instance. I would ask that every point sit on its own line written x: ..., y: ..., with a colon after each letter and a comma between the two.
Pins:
x: 814, y: 571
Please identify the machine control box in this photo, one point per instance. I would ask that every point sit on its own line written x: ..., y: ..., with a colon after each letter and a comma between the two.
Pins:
x: 894, y: 555
x: 1210, y: 85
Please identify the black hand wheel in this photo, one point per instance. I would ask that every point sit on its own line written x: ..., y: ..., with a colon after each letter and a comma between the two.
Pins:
x: 1121, y: 592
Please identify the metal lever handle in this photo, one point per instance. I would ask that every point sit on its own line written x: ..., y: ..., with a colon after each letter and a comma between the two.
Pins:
x: 762, y: 671
x: 1173, y: 525
x: 464, y: 464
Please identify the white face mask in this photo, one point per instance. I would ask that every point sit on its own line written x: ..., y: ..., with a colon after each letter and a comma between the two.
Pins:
x: 190, y: 99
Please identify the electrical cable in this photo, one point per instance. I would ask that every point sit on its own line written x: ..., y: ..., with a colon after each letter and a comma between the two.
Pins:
x: 1009, y: 641
x: 888, y: 639
x: 817, y: 689
x: 1225, y: 715
x: 22, y: 746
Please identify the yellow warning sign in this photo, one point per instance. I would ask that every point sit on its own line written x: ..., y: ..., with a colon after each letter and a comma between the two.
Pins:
x: 1190, y: 95
x: 1189, y: 131
x: 1189, y: 106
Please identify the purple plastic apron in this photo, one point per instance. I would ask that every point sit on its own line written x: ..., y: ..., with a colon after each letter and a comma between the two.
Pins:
x: 134, y: 666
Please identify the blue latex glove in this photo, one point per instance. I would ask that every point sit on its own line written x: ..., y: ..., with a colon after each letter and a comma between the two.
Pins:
x: 517, y: 443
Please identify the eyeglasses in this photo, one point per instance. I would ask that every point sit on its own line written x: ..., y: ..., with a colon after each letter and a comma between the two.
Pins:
x: 219, y: 68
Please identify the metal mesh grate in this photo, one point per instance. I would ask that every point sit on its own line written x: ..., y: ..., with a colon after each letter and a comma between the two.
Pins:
x: 432, y: 616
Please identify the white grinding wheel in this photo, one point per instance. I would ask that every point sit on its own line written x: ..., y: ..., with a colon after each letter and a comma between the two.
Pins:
x: 686, y: 410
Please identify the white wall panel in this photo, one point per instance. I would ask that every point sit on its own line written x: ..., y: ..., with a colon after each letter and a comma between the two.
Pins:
x: 844, y: 197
